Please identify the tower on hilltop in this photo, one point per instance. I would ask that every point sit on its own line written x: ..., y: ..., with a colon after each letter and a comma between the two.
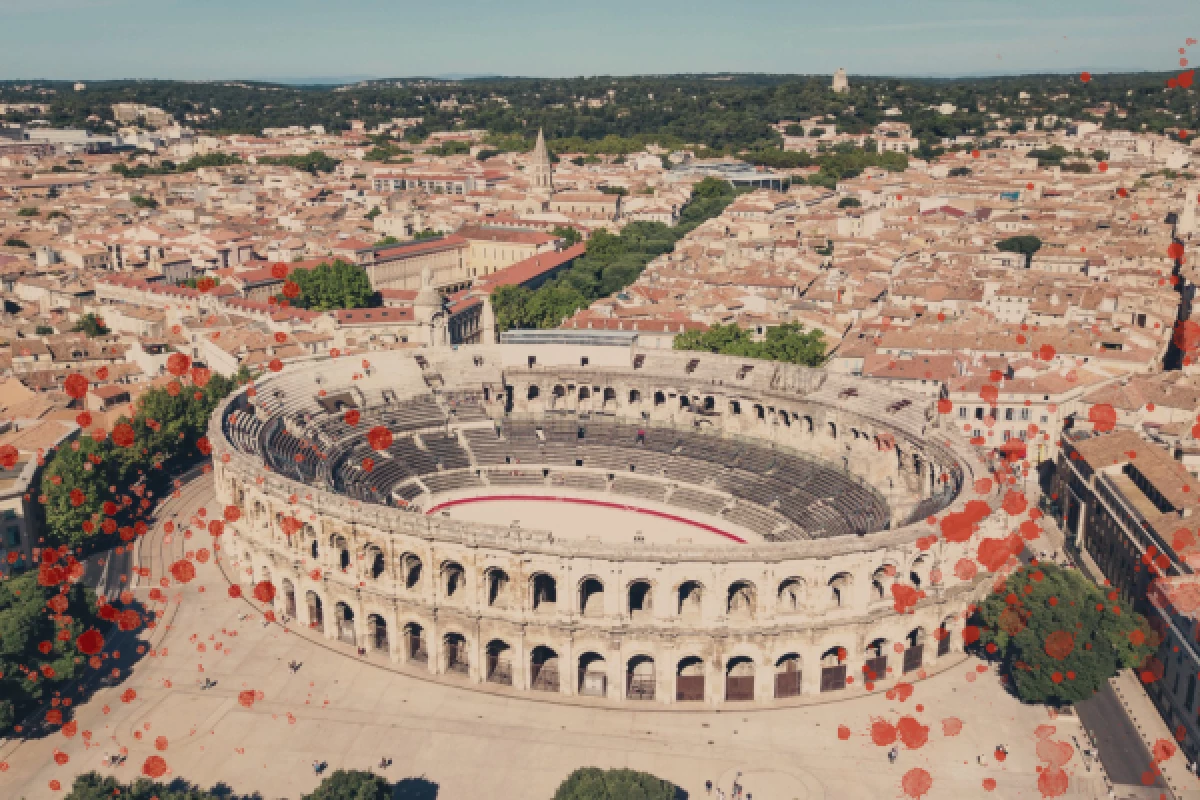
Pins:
x: 840, y: 82
x: 540, y: 174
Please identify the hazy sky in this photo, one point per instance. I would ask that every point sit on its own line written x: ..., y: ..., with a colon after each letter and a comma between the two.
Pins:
x: 296, y: 39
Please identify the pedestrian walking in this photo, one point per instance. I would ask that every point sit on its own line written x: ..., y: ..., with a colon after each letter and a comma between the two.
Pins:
x: 708, y: 787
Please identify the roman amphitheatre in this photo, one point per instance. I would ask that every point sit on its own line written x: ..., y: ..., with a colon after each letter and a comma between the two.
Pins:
x: 582, y: 520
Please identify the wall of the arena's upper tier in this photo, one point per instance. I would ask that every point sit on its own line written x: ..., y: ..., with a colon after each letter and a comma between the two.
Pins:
x: 714, y: 623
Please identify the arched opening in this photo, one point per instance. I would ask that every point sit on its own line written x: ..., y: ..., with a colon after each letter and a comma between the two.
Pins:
x: 610, y: 399
x: 639, y: 678
x: 593, y: 679
x: 414, y: 643
x: 881, y: 581
x: 787, y: 676
x: 760, y: 412
x: 377, y: 632
x: 316, y: 613
x: 641, y: 600
x: 543, y: 669
x: 685, y: 402
x: 557, y: 395
x: 634, y: 397
x: 710, y: 403
x: 343, y: 553
x: 545, y: 595
x: 498, y: 588
x: 875, y: 664
x: 739, y: 680
x: 584, y: 396
x: 918, y: 573
x: 691, y: 593
x: 376, y: 562
x: 914, y: 652
x: 741, y: 599
x: 289, y: 597
x: 839, y: 590
x: 499, y: 663
x: 689, y: 680
x: 453, y: 578
x: 411, y: 570
x: 791, y: 595
x: 591, y: 597
x: 808, y: 425
x: 785, y: 418
x: 832, y: 430
x: 532, y: 392
x: 659, y: 399
x: 344, y: 616
x: 943, y: 634
x: 315, y: 550
x: 833, y: 669
x: 457, y: 660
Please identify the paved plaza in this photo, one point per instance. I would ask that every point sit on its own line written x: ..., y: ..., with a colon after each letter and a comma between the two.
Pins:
x: 262, y: 726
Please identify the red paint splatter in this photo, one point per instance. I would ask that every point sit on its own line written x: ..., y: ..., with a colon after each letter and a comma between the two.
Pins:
x: 183, y: 570
x: 916, y: 782
x: 912, y: 732
x: 883, y: 733
x: 155, y: 767
x: 952, y: 726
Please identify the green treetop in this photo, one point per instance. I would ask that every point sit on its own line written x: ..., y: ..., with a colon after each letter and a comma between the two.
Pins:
x: 1060, y: 636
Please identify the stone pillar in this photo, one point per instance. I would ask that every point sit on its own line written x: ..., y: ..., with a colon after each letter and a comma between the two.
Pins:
x: 764, y: 682
x: 810, y: 671
x: 520, y: 664
x: 567, y: 669
x: 714, y: 680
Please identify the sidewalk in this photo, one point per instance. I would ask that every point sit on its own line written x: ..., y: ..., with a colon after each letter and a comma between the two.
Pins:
x: 1139, y: 707
x: 1149, y: 723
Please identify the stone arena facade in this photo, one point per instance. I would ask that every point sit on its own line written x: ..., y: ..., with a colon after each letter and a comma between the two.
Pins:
x: 804, y: 607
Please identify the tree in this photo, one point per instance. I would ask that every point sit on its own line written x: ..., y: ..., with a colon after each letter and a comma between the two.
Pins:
x: 387, y: 241
x: 428, y: 233
x: 143, y: 202
x: 351, y: 785
x: 593, y: 783
x: 373, y: 213
x: 27, y: 212
x: 571, y: 236
x: 39, y: 657
x: 43, y: 330
x: 90, y: 324
x: 314, y: 162
x: 1025, y: 245
x: 849, y: 202
x: 959, y: 172
x: 338, y: 785
x: 1060, y: 636
x: 788, y: 343
x: 12, y: 241
x: 167, y: 425
x: 332, y: 286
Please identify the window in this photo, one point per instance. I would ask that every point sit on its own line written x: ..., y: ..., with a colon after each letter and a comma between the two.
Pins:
x: 14, y: 535
x: 963, y: 412
x: 976, y: 433
x: 1024, y: 414
x: 1045, y: 419
x: 979, y: 412
x: 1007, y: 435
x: 1008, y: 414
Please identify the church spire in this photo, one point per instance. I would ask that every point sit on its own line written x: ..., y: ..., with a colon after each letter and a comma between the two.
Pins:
x: 540, y: 173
